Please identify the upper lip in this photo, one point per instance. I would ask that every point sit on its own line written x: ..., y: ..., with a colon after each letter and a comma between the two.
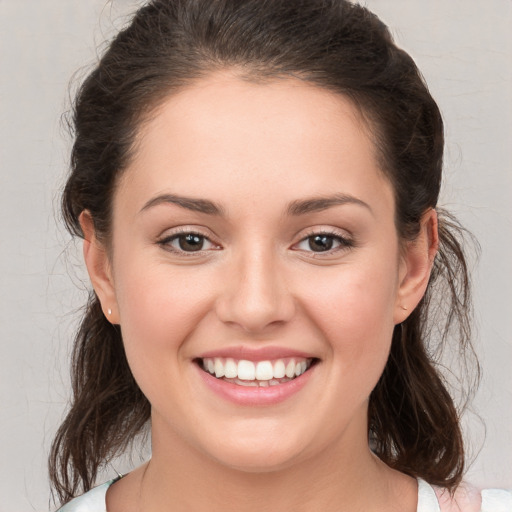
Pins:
x: 255, y: 353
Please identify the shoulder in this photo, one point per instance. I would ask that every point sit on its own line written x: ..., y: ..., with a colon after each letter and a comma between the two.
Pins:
x: 91, y: 501
x: 469, y: 499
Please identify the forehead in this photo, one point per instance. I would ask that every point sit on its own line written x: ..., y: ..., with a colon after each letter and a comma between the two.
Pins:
x: 226, y: 135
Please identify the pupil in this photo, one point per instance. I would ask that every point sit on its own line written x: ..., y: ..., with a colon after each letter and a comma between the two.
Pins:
x: 191, y: 242
x: 320, y: 243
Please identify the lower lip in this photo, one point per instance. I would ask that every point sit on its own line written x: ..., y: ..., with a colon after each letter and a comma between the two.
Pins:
x: 255, y: 395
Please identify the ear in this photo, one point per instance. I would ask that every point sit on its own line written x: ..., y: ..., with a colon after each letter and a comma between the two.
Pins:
x: 415, y: 266
x: 99, y: 268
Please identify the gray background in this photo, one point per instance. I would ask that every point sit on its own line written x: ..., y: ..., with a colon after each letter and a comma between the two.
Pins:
x: 464, y: 49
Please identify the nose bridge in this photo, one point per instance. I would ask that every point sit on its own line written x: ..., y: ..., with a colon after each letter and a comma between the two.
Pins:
x: 257, y: 295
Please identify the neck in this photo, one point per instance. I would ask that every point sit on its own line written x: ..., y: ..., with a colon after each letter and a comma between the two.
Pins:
x: 346, y: 477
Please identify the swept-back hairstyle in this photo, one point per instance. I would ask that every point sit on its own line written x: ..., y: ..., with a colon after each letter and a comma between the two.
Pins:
x: 334, y: 44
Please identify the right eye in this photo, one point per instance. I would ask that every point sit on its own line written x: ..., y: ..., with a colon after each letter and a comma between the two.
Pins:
x: 187, y: 242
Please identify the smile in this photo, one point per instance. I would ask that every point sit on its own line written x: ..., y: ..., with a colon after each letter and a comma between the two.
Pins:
x: 256, y: 374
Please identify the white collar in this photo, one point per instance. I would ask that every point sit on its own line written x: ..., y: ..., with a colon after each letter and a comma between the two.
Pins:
x: 427, y: 499
x: 94, y: 500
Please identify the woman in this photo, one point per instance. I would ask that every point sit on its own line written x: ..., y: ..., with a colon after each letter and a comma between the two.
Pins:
x: 256, y: 183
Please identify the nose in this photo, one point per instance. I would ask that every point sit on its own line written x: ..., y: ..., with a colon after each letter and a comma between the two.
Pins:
x: 255, y: 296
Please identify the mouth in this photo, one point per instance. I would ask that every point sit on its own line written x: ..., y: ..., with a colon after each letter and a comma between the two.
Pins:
x: 267, y: 373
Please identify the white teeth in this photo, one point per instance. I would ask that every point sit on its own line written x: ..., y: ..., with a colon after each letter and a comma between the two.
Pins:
x: 264, y: 370
x: 246, y: 370
x: 290, y: 369
x: 262, y: 373
x: 230, y: 369
x: 257, y: 383
x: 219, y: 368
x: 279, y: 369
x: 246, y: 383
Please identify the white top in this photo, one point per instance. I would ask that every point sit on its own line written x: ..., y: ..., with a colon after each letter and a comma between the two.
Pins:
x: 429, y: 500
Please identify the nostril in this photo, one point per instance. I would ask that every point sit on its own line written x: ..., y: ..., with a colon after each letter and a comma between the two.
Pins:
x: 257, y: 302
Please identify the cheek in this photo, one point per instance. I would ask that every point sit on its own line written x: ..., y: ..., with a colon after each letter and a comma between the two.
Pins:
x: 159, y: 307
x: 353, y: 306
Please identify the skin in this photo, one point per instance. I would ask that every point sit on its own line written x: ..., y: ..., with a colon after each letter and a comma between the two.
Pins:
x: 253, y: 149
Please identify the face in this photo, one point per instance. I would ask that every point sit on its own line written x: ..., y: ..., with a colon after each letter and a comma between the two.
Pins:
x: 256, y: 271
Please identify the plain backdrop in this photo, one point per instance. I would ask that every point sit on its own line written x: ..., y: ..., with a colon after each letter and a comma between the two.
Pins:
x: 463, y: 47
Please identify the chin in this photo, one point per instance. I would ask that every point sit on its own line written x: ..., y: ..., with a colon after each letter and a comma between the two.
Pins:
x: 258, y: 453
x: 257, y: 462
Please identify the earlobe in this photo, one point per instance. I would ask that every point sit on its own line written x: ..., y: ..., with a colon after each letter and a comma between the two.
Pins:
x: 99, y: 268
x: 416, y: 266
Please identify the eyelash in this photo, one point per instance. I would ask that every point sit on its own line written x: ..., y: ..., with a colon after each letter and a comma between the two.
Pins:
x: 166, y: 242
x: 344, y: 243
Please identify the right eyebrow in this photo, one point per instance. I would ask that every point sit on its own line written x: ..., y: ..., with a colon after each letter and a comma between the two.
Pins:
x: 190, y: 203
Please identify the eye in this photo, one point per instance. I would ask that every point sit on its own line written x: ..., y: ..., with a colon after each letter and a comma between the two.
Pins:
x: 187, y: 242
x: 324, y: 242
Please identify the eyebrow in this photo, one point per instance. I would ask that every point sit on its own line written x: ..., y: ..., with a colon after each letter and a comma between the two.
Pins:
x: 295, y: 208
x: 317, y: 204
x: 196, y: 205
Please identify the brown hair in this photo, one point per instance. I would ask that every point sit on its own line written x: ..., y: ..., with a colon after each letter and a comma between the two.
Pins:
x: 413, y: 422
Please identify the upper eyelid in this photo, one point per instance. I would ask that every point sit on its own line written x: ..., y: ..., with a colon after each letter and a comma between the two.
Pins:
x: 331, y: 231
x: 172, y: 233
x: 185, y: 230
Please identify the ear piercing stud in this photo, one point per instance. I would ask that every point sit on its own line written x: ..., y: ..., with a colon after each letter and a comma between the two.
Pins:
x: 109, y: 311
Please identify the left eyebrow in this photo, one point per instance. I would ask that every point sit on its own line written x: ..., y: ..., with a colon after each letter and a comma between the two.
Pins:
x: 317, y: 204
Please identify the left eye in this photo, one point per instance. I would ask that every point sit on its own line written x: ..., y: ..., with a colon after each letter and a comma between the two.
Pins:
x: 188, y: 242
x: 322, y: 242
